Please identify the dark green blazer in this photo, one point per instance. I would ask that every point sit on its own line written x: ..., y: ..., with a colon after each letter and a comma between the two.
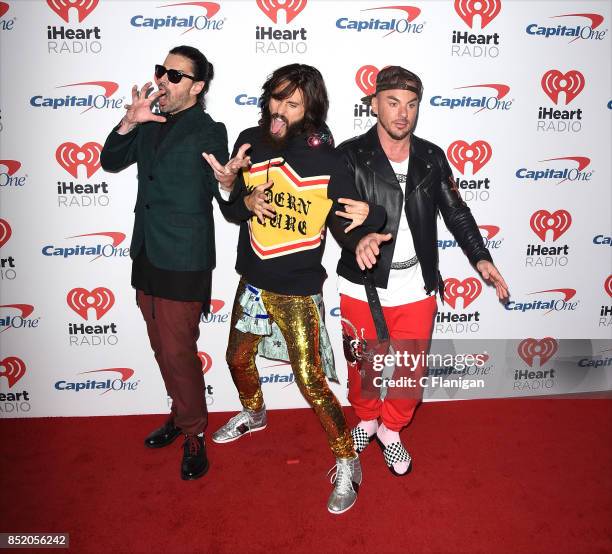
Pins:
x: 174, y: 212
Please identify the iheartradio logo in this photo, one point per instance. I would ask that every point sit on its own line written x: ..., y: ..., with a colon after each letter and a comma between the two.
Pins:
x: 478, y: 153
x: 63, y: 7
x: 544, y: 349
x: 5, y: 232
x: 13, y: 369
x: 486, y: 9
x: 469, y: 289
x: 206, y: 362
x: 558, y: 222
x: 608, y: 285
x: 366, y: 79
x: 81, y: 300
x: 291, y: 7
x: 555, y: 82
x: 70, y: 156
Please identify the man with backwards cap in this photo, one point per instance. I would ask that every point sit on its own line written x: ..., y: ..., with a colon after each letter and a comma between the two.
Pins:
x: 388, y: 280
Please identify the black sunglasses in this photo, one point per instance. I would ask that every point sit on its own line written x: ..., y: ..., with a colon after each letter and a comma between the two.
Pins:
x: 174, y: 75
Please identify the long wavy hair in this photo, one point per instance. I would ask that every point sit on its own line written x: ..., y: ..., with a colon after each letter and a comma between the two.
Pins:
x: 284, y: 82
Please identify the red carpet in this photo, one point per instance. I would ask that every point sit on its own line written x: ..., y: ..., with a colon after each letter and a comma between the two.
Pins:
x: 489, y: 476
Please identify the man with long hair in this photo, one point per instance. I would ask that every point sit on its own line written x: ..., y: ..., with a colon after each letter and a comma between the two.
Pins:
x: 288, y: 189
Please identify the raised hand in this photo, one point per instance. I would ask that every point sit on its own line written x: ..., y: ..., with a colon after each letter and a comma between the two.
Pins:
x: 256, y: 202
x: 355, y: 210
x: 226, y: 174
x: 139, y: 111
x: 492, y: 276
x: 368, y: 248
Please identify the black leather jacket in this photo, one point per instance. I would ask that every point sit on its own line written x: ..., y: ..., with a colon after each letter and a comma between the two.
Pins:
x: 430, y: 189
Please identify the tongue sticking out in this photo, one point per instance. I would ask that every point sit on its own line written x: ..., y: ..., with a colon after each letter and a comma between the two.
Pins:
x: 277, y: 126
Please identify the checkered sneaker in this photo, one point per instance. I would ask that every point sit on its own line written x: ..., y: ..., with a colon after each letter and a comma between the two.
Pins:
x: 360, y: 439
x: 395, y: 452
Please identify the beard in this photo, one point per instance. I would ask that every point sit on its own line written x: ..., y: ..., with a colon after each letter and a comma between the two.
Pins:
x: 291, y: 130
x: 398, y: 135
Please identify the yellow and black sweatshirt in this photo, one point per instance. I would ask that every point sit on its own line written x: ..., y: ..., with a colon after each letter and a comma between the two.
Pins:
x: 283, y: 254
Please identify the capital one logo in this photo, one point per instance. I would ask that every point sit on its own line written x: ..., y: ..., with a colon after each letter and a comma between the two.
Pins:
x: 4, y: 7
x: 486, y: 9
x: 608, y: 285
x: 5, y: 232
x: 70, y: 156
x: 81, y: 300
x: 543, y: 221
x: 469, y: 289
x: 63, y: 7
x: 13, y: 369
x: 490, y: 230
x: 478, y: 153
x: 206, y: 361
x: 12, y: 166
x: 366, y: 79
x: 291, y: 7
x: 25, y: 311
x: 544, y: 349
x: 554, y: 82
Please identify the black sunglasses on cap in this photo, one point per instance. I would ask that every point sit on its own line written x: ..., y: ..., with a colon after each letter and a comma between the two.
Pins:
x: 174, y: 75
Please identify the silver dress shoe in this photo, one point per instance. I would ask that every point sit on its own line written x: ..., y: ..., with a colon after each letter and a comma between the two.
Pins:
x: 243, y: 422
x: 346, y: 479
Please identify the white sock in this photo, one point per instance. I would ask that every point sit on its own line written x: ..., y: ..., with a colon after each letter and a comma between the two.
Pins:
x: 369, y: 426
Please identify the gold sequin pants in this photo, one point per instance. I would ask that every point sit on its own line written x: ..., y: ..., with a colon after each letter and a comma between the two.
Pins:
x: 298, y: 319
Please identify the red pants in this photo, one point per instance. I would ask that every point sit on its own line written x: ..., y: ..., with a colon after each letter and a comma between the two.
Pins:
x: 173, y: 329
x: 410, y: 327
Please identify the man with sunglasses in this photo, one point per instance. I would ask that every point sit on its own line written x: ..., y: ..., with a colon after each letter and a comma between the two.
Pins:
x: 173, y: 249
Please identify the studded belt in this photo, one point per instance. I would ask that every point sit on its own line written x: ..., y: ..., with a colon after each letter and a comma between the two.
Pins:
x: 405, y: 265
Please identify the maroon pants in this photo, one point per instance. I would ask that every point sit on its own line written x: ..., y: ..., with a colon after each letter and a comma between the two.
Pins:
x: 173, y: 329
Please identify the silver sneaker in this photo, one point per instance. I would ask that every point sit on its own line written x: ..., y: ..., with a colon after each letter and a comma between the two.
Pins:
x: 347, y: 479
x: 243, y: 422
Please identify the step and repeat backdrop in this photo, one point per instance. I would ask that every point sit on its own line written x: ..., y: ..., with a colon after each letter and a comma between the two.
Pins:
x: 517, y: 93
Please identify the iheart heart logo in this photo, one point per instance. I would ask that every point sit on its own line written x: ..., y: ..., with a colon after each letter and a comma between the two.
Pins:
x: 544, y: 349
x: 468, y: 289
x: 366, y: 79
x: 608, y: 285
x: 5, y: 232
x: 63, y: 7
x: 13, y: 369
x: 486, y: 9
x: 271, y: 8
x: 460, y: 152
x: 206, y: 362
x: 554, y: 82
x: 70, y: 156
x: 558, y: 222
x: 81, y: 300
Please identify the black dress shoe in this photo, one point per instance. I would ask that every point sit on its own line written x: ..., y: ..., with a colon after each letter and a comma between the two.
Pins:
x: 163, y: 436
x: 195, y: 462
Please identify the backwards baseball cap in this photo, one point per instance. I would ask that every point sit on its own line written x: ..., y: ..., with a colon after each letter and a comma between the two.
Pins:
x: 396, y: 77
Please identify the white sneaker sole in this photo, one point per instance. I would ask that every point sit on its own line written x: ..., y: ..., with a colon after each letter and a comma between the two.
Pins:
x: 250, y: 431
